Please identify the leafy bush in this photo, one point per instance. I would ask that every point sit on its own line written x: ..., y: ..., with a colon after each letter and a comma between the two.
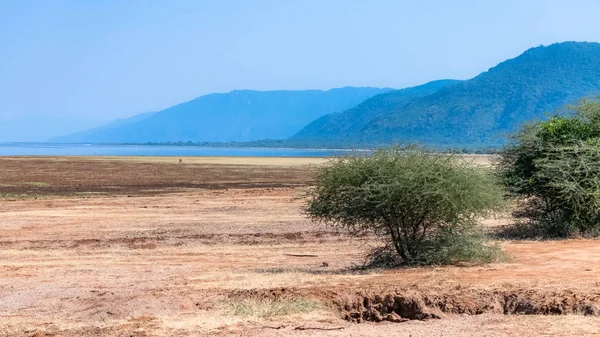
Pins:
x: 553, y: 168
x: 423, y: 206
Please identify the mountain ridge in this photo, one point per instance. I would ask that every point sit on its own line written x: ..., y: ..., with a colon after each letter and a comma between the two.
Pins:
x: 481, y: 110
x: 356, y: 118
x: 477, y: 112
x: 239, y: 115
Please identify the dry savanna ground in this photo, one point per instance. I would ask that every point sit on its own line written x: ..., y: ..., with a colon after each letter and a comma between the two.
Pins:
x: 219, y: 246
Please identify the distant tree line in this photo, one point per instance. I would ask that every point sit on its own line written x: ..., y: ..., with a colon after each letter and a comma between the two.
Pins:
x: 274, y: 143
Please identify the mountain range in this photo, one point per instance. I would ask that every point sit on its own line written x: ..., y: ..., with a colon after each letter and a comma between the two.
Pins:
x: 479, y: 111
x: 237, y: 116
x: 447, y: 113
x: 41, y: 127
x: 347, y: 126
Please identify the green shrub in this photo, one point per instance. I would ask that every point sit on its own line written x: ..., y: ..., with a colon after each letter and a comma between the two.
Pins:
x: 553, y: 169
x: 424, y: 207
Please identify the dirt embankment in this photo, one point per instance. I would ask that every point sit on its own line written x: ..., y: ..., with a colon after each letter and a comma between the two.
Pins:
x: 407, y: 304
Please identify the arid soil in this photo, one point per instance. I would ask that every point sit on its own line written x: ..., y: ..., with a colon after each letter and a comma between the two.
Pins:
x: 37, y: 177
x: 208, y: 246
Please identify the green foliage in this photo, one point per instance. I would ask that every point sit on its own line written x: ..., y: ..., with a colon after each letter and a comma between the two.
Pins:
x: 564, y: 130
x: 423, y: 206
x: 553, y: 167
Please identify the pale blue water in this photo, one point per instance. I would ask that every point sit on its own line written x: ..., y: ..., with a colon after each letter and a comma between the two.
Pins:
x: 134, y: 150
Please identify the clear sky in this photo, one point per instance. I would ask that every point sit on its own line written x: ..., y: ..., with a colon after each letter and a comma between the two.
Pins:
x: 99, y: 60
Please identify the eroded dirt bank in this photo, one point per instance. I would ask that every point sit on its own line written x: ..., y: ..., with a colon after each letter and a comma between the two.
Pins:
x: 400, y: 305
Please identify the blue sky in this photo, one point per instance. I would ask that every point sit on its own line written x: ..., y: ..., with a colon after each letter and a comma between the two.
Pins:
x: 93, y: 61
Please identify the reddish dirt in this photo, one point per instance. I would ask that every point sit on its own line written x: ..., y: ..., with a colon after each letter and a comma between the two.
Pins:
x: 163, y: 263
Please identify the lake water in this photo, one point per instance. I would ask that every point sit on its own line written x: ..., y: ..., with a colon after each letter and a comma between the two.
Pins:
x: 134, y: 150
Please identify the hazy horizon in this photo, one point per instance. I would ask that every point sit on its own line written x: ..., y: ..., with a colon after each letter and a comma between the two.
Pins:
x: 72, y: 65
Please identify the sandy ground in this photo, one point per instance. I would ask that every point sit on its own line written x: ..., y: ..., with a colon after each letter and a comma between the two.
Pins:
x: 175, y: 261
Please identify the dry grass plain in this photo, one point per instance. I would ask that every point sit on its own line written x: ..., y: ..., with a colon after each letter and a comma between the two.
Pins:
x: 219, y: 246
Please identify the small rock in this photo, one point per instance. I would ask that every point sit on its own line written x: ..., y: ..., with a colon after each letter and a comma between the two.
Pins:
x: 376, y: 316
x: 395, y: 318
x: 324, y: 264
x: 591, y: 310
x: 354, y: 314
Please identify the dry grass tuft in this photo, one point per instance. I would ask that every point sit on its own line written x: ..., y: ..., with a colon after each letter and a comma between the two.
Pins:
x: 266, y: 308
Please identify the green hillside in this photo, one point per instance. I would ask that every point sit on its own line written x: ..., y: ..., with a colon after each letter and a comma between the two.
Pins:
x: 344, y: 125
x: 476, y: 112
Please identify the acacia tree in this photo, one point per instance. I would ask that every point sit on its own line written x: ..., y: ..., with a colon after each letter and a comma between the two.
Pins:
x: 553, y: 169
x: 424, y: 207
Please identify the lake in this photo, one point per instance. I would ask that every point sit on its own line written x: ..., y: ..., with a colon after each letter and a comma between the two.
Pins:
x: 139, y: 150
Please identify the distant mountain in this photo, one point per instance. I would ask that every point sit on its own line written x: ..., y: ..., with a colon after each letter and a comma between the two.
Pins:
x: 38, y: 128
x: 475, y: 112
x: 346, y: 124
x: 241, y: 115
x: 85, y: 136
